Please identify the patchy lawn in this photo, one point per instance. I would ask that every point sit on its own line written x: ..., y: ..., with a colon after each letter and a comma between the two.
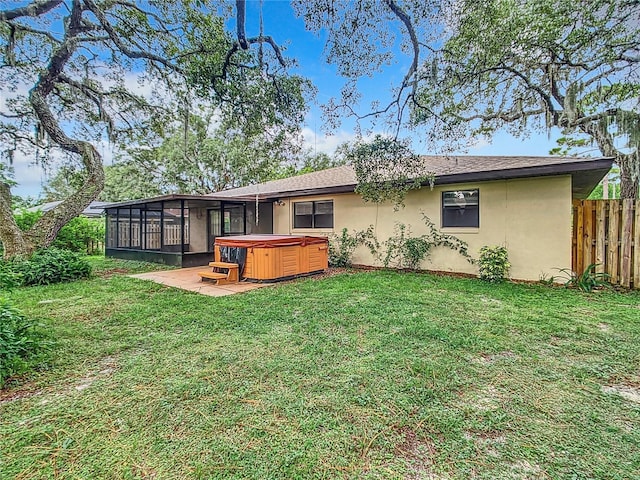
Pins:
x: 358, y: 375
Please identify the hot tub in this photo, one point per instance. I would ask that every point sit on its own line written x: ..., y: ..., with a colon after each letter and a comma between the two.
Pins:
x: 274, y: 257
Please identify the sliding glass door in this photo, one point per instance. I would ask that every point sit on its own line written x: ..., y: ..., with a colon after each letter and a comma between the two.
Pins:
x: 226, y: 220
x: 233, y: 219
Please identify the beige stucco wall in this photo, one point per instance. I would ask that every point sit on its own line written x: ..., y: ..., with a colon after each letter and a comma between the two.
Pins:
x: 531, y: 217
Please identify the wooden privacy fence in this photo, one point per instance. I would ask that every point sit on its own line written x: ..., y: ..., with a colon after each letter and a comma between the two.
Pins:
x: 607, y: 233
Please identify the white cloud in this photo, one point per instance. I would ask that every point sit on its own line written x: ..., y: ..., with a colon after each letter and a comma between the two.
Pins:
x: 11, y: 91
x: 28, y: 175
x: 323, y: 143
x: 138, y: 84
x: 134, y: 82
x: 479, y: 143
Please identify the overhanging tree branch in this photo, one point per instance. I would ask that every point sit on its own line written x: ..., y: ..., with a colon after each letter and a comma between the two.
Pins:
x: 34, y: 9
x: 115, y: 38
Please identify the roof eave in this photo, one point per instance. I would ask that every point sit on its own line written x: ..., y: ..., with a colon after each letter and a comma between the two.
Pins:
x: 161, y: 198
x: 585, y: 175
x: 576, y: 169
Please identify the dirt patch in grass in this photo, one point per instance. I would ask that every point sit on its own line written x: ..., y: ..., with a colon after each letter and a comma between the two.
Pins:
x: 628, y: 392
x: 489, y: 358
x: 486, y: 399
x: 487, y: 441
x: 105, y: 367
x: 143, y: 472
x: 59, y: 300
x: 418, y: 453
x: 523, y: 469
x: 24, y: 391
x: 490, y: 301
x: 112, y: 272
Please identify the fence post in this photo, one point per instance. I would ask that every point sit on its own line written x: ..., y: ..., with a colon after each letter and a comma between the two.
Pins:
x: 636, y: 248
x: 601, y: 219
x: 587, y: 218
x: 614, y: 225
x: 579, y: 237
x: 625, y: 240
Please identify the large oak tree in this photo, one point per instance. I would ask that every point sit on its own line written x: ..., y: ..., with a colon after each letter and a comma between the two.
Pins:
x: 70, y: 66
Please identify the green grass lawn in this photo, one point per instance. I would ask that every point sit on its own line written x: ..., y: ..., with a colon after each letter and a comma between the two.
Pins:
x: 358, y: 375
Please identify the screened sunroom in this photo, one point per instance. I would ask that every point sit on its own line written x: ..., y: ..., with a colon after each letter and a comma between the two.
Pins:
x: 180, y: 230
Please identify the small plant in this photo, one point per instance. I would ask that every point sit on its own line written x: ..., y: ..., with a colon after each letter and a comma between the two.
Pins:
x: 548, y: 280
x: 20, y: 342
x: 9, y: 279
x: 452, y: 242
x: 493, y: 263
x: 403, y: 250
x: 588, y: 280
x: 406, y: 251
x: 46, y: 266
x: 342, y: 247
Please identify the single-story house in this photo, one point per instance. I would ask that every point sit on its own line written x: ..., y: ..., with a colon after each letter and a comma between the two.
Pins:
x: 523, y: 203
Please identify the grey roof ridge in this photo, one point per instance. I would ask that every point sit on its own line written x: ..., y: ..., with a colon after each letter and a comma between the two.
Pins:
x: 543, y: 169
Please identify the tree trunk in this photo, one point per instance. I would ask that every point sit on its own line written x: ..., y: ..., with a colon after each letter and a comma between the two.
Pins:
x: 13, y: 239
x: 629, y: 186
x: 45, y: 230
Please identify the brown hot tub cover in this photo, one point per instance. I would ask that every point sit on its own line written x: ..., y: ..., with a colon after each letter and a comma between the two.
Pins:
x: 269, y: 241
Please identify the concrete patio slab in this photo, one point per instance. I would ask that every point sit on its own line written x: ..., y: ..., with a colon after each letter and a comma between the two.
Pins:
x: 188, y: 279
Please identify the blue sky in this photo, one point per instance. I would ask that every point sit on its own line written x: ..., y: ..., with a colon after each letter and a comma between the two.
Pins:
x: 307, y: 48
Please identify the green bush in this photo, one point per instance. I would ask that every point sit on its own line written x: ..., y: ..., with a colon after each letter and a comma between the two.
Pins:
x: 20, y: 342
x: 50, y: 265
x: 342, y: 247
x: 405, y: 251
x: 79, y: 233
x: 494, y: 263
x: 76, y: 235
x: 9, y: 279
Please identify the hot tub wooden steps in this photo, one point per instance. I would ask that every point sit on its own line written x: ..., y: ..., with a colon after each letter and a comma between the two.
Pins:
x: 231, y: 276
x: 223, y: 265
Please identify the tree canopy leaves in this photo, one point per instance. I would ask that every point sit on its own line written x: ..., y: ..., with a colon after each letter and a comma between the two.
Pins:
x: 538, y: 64
x: 73, y: 67
x: 386, y: 169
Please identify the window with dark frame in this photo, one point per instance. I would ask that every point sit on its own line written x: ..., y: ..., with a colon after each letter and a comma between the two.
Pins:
x: 461, y: 208
x: 318, y: 214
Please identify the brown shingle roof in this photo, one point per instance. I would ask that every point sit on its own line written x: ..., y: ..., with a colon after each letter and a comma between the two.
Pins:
x: 447, y: 169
